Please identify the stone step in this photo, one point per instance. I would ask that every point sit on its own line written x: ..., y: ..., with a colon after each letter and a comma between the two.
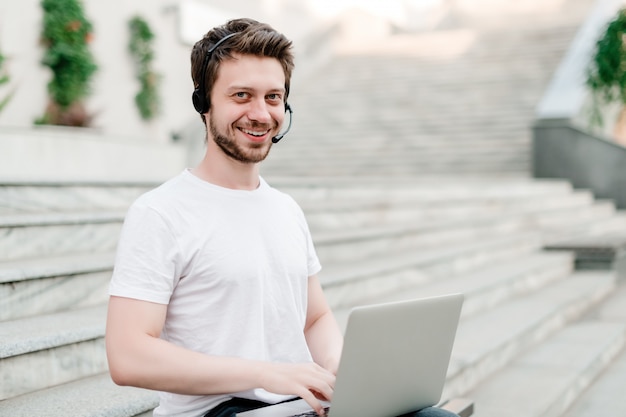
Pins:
x: 28, y: 197
x: 375, y: 140
x: 389, y: 137
x: 354, y: 244
x: 494, y: 42
x: 606, y: 394
x: 50, y: 283
x: 88, y: 397
x: 489, y: 285
x: 22, y: 221
x: 348, y: 71
x: 490, y: 337
x: 352, y: 283
x: 419, y: 139
x: 61, y: 347
x: 391, y: 142
x: 402, y: 152
x: 386, y: 158
x: 612, y: 225
x: 105, y: 201
x: 78, y: 329
x: 488, y: 341
x: 407, y: 162
x: 51, y: 218
x: 424, y: 190
x: 563, y: 219
x: 616, y: 226
x: 68, y: 345
x: 29, y: 287
x: 70, y: 264
x: 391, y: 165
x: 30, y: 235
x: 333, y: 215
x: 450, y: 170
x: 47, y: 234
x: 545, y: 381
x: 411, y: 96
x: 423, y: 205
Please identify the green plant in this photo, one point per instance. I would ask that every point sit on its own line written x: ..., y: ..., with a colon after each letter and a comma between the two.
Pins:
x: 140, y: 47
x: 606, y: 76
x: 4, y: 79
x: 66, y: 34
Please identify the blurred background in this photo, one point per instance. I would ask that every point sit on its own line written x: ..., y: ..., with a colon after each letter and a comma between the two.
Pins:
x: 437, y: 146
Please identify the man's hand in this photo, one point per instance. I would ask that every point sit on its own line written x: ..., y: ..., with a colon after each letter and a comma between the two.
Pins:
x: 308, y: 381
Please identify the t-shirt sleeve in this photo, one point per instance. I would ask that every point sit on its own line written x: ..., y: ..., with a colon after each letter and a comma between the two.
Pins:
x: 314, y: 265
x: 146, y: 261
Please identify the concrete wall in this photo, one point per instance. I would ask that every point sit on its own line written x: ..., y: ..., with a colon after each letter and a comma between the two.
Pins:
x: 78, y: 155
x: 563, y: 151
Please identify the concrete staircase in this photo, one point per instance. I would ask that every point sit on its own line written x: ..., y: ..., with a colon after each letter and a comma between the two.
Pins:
x: 377, y: 241
x: 57, y: 246
x: 394, y: 109
x: 412, y: 170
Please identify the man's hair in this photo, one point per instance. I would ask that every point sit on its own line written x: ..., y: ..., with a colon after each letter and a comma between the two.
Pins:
x: 253, y: 38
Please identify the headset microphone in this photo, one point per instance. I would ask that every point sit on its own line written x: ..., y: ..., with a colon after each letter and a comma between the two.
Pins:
x: 278, y: 137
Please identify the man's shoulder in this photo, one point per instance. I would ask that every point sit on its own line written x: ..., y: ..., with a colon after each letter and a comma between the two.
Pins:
x: 283, y: 195
x: 164, y: 195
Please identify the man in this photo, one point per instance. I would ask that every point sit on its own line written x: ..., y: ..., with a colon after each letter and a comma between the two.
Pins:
x: 215, y: 300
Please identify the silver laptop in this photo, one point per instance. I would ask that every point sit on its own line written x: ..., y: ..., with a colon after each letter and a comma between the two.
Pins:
x: 394, y: 360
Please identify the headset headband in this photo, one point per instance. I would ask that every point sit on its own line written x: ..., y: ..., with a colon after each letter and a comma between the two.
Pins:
x: 198, y: 97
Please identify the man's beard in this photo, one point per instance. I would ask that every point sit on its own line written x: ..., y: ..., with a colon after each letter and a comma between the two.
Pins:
x: 255, y: 152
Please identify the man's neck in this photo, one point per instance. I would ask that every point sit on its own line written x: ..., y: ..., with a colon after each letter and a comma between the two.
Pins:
x: 221, y: 170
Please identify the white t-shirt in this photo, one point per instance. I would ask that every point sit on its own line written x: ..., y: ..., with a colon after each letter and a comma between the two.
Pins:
x: 233, y: 267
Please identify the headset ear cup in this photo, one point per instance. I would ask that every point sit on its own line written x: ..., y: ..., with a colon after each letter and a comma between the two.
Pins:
x: 200, y: 102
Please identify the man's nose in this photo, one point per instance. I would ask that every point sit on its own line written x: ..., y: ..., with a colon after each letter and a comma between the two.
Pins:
x: 259, y: 111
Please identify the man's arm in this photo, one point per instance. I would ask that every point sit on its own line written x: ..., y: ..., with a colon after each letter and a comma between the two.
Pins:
x: 322, y: 331
x: 138, y: 357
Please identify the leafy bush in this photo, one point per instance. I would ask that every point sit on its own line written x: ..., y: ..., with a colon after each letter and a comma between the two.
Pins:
x: 140, y: 47
x: 606, y: 75
x: 4, y: 79
x: 66, y: 34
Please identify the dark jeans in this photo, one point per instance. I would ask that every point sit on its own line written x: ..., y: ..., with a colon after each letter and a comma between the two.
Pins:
x: 238, y: 405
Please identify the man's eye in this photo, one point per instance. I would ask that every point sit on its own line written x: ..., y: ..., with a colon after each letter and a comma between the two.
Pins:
x: 241, y: 94
x: 273, y: 97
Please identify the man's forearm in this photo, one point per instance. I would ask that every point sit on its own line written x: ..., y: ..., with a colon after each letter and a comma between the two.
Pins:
x: 325, y: 341
x: 159, y: 365
x: 153, y: 363
x: 139, y: 357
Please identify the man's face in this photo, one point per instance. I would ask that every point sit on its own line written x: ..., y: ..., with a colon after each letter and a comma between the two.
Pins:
x: 247, y: 106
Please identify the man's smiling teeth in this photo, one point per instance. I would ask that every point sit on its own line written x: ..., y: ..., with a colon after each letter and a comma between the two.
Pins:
x: 253, y: 133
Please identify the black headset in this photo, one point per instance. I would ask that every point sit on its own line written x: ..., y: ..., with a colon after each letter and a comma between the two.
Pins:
x: 199, y: 98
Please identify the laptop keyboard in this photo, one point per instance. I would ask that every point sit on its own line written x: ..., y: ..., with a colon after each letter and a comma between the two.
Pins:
x: 311, y: 413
